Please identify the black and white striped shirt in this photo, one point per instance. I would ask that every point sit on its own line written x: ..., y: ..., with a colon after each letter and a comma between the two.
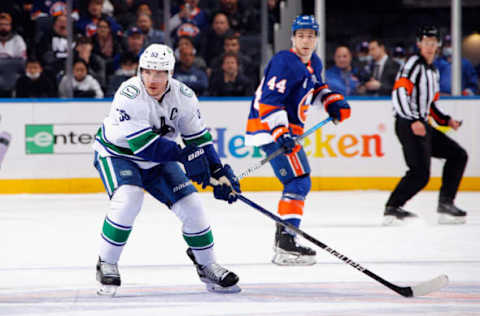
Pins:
x: 415, y: 91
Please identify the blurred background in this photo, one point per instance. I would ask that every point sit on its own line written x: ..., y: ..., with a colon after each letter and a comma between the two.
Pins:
x: 98, y: 44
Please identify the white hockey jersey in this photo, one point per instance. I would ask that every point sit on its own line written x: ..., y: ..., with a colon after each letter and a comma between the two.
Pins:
x: 136, y: 122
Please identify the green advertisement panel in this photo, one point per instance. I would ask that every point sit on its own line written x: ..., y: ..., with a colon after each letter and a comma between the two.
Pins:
x: 39, y: 139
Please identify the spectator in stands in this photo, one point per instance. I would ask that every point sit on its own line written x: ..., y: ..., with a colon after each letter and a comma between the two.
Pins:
x: 106, y: 45
x: 25, y: 24
x: 399, y: 54
x: 87, y: 24
x: 243, y: 19
x: 189, y: 21
x: 12, y: 45
x: 83, y: 84
x: 186, y: 72
x: 191, y: 13
x: 107, y: 8
x: 125, y: 13
x: 34, y: 83
x: 152, y: 35
x: 53, y: 47
x: 186, y: 41
x: 150, y: 8
x: 229, y: 81
x: 52, y: 8
x: 215, y: 37
x: 362, y: 53
x: 361, y: 60
x: 144, y: 8
x: 444, y: 66
x: 12, y: 55
x: 191, y: 30
x: 232, y: 45
x: 128, y: 69
x: 383, y: 70
x: 471, y: 49
x: 95, y: 64
x: 135, y: 41
x: 342, y: 77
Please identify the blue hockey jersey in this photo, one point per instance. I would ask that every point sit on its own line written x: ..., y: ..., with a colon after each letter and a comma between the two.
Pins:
x: 284, y: 96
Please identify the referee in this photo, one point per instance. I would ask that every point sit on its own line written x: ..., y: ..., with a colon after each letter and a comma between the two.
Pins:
x: 414, y: 97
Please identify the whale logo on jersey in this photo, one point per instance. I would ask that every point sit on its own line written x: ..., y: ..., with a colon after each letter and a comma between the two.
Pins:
x: 130, y: 92
x: 186, y: 91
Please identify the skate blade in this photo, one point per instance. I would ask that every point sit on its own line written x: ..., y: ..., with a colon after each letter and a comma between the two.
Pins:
x: 107, y: 290
x: 215, y: 288
x: 390, y: 220
x: 446, y: 219
x: 283, y: 258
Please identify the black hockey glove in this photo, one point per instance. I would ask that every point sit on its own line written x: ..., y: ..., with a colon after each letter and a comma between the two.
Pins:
x: 196, y: 164
x: 228, y: 184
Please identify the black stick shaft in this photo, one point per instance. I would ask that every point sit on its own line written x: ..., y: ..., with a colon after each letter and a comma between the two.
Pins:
x: 404, y: 291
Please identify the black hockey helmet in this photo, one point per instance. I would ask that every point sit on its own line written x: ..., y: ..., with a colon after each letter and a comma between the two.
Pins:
x: 428, y: 31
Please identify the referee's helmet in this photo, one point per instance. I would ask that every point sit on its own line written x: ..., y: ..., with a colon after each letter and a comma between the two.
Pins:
x: 428, y: 31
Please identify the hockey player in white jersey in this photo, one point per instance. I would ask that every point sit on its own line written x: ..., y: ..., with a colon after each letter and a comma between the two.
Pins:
x: 135, y: 150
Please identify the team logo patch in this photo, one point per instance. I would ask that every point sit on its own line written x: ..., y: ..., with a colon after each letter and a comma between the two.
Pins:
x: 304, y: 105
x: 130, y: 92
x: 186, y: 91
x: 283, y: 172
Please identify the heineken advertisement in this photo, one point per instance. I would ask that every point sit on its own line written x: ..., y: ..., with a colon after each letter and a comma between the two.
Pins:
x: 53, y: 139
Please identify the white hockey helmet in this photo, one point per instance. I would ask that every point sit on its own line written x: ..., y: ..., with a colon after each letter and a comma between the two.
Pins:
x: 157, y: 57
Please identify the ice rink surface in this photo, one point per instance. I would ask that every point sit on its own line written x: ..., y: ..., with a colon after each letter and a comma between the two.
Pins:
x: 49, y: 250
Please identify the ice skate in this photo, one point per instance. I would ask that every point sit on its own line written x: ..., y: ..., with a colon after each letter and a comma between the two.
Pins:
x: 448, y: 213
x: 395, y: 216
x: 288, y: 252
x: 109, y: 278
x: 216, y: 278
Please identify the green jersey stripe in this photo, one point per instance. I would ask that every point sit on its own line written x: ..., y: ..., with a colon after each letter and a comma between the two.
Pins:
x: 115, y: 234
x: 199, y: 140
x: 108, y: 174
x: 196, y: 135
x: 199, y: 241
x: 118, y: 150
x: 140, y: 142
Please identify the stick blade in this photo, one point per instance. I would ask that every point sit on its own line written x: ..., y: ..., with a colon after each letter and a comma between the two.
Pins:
x: 430, y: 286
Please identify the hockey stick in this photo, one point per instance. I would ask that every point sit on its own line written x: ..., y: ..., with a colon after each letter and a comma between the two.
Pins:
x: 276, y: 153
x: 421, y: 289
x: 280, y: 151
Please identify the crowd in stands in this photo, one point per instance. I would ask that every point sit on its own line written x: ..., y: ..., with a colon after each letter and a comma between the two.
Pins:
x: 370, y: 70
x: 110, y: 35
x: 216, y: 44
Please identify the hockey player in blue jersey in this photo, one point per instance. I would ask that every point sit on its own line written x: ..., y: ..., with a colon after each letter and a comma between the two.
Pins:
x: 292, y: 82
x: 135, y: 150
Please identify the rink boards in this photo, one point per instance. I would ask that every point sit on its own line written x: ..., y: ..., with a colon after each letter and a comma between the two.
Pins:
x: 50, y: 150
